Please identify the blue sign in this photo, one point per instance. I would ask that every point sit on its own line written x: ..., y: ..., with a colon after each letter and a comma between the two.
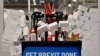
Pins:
x: 51, y: 51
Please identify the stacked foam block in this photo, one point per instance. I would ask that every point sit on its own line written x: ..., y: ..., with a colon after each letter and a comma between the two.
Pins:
x: 87, y: 21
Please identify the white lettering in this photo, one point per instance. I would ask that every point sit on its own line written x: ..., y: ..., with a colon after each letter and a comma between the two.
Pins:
x: 31, y: 54
x: 40, y: 54
x: 69, y: 54
x: 63, y: 54
x: 58, y: 54
x: 44, y: 54
x: 27, y: 54
x: 49, y: 54
x: 75, y: 54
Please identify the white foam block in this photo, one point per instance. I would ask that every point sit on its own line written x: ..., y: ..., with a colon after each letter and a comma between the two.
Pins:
x: 42, y: 28
x: 76, y: 31
x: 93, y: 10
x: 25, y: 30
x: 87, y: 27
x: 87, y: 14
x: 40, y: 23
x: 84, y: 19
x: 95, y: 27
x: 79, y: 23
x: 22, y: 18
x: 53, y: 26
x: 64, y: 24
x: 33, y: 36
x: 82, y: 8
x: 95, y: 17
x: 43, y: 35
x: 12, y: 26
x: 77, y: 14
x: 70, y: 16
